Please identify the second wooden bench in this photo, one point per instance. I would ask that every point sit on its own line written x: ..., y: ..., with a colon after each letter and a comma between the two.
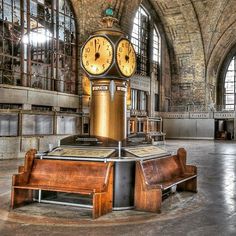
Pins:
x: 157, y: 175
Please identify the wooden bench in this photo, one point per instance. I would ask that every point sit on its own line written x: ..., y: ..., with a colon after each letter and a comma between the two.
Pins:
x: 82, y: 177
x: 156, y: 175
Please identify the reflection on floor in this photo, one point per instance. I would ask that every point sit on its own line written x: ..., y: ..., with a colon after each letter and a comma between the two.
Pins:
x: 212, y: 211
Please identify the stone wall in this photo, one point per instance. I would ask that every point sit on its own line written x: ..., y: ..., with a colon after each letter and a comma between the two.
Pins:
x: 16, y: 147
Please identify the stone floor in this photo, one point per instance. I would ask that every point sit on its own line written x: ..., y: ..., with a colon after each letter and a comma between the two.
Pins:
x: 212, y: 211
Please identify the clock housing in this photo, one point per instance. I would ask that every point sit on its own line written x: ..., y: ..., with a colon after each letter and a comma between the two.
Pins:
x: 108, y: 54
x: 97, y: 55
x: 125, y: 57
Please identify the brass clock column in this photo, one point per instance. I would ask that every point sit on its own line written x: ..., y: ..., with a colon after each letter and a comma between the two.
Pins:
x: 109, y: 60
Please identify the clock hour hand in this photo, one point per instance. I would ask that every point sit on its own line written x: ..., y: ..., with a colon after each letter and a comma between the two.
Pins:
x: 127, y: 58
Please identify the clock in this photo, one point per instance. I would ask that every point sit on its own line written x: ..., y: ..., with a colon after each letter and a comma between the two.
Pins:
x: 126, y: 58
x: 97, y: 55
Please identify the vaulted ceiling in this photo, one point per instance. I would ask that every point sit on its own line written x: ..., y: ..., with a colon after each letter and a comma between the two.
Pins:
x: 201, y: 32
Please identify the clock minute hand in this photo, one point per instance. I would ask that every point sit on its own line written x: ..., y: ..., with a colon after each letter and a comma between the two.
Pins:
x: 95, y: 44
x: 129, y: 50
x: 97, y: 54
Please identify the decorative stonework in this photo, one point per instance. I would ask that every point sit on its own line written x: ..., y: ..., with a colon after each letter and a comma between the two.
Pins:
x: 199, y: 36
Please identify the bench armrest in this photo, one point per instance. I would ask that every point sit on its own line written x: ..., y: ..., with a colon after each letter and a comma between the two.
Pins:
x: 191, y: 169
x: 20, y: 179
x: 153, y: 186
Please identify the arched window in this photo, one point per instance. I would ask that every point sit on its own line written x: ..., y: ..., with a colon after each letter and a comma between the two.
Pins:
x: 146, y: 40
x: 38, y: 44
x: 140, y: 40
x: 230, y: 85
x: 156, y: 54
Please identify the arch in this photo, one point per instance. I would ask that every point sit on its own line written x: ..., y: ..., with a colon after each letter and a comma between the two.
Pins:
x: 221, y: 81
x: 220, y: 56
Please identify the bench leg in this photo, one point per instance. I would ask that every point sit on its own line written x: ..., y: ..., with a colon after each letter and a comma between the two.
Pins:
x: 20, y: 197
x: 102, y: 204
x: 190, y: 185
x: 149, y: 200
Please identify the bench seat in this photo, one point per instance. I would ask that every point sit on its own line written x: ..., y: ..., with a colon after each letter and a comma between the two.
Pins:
x: 157, y: 175
x: 57, y: 189
x: 168, y: 184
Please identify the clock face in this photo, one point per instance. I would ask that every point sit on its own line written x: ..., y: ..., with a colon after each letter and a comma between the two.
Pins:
x: 97, y: 55
x: 126, y: 58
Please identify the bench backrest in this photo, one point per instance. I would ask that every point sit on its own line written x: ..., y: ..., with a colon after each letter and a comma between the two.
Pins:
x: 159, y: 170
x: 69, y: 174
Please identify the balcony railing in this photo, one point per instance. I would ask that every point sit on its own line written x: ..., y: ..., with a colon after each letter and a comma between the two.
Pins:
x: 203, y: 108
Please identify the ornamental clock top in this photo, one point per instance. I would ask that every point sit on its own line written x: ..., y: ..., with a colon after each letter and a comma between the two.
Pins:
x: 109, y: 18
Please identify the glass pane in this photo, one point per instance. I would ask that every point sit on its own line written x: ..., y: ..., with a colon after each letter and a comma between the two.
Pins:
x: 33, y: 8
x: 229, y: 107
x: 231, y: 65
x: 61, y: 5
x: 229, y: 87
x: 229, y: 99
x: 229, y: 76
x: 139, y: 38
x: 7, y: 12
x: 16, y: 4
x: 8, y: 125
x: 37, y: 124
x: 66, y: 125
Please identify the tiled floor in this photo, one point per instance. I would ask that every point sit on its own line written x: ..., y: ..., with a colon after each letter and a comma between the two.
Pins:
x: 212, y: 211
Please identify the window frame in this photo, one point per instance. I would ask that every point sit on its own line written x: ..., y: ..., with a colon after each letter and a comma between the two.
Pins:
x: 51, y: 65
x: 227, y: 81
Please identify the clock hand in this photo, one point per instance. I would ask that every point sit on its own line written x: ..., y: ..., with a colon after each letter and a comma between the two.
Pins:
x: 95, y: 44
x: 127, y: 58
x: 129, y: 50
x: 97, y: 54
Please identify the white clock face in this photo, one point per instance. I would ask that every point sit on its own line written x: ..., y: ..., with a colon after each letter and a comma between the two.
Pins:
x: 126, y: 58
x: 97, y: 55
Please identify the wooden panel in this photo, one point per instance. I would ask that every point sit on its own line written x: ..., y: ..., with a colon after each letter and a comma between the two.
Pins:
x: 160, y: 170
x: 70, y: 174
